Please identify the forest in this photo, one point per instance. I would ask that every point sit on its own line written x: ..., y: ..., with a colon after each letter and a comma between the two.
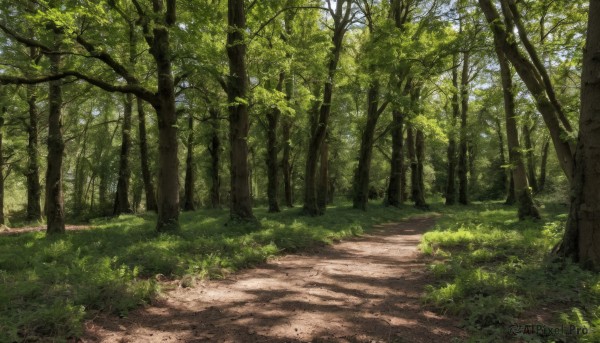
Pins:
x: 299, y: 170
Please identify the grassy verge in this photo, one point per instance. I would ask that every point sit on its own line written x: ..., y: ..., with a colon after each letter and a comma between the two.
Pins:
x: 49, y: 286
x: 496, y: 273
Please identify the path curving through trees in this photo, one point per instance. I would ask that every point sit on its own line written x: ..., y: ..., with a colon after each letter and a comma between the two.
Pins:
x: 367, y: 289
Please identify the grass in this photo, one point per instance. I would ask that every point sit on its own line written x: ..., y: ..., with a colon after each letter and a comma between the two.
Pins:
x: 496, y: 273
x: 49, y: 286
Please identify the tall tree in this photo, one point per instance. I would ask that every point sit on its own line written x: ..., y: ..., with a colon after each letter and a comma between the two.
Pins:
x: 34, y: 191
x: 519, y: 176
x: 156, y: 24
x: 531, y: 169
x: 3, y: 110
x: 273, y: 116
x: 451, y: 153
x: 122, y: 204
x: 365, y: 155
x: 463, y: 183
x: 55, y: 210
x: 189, y: 185
x: 342, y: 17
x: 237, y: 89
x: 149, y: 188
x: 214, y: 149
x: 399, y: 13
x: 534, y: 82
x: 581, y: 241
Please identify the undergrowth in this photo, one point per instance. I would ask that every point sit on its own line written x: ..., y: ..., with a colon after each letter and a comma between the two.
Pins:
x: 49, y: 286
x: 497, y: 274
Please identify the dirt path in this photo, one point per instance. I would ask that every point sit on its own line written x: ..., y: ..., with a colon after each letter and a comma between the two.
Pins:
x: 363, y: 290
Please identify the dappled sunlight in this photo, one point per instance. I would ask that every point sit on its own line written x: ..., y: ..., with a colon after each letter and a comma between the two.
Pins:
x: 359, y: 290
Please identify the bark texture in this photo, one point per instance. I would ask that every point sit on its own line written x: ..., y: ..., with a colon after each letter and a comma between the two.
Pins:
x: 273, y: 116
x: 241, y: 201
x: 365, y: 155
x: 2, y: 115
x: 463, y: 180
x: 214, y: 148
x: 522, y: 192
x: 34, y: 190
x: 534, y: 83
x: 168, y: 163
x: 581, y: 241
x: 189, y: 203
x: 122, y: 204
x: 452, y: 146
x: 397, y: 185
x: 55, y: 211
x: 341, y: 19
x: 149, y: 189
x: 543, y: 167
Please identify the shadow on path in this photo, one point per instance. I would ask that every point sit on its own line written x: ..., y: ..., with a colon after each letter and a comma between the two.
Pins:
x: 365, y: 289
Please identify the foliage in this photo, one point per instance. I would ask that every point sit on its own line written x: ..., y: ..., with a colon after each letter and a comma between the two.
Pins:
x: 495, y: 273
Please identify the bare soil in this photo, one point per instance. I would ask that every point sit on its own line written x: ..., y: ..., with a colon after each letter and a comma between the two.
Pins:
x: 366, y: 289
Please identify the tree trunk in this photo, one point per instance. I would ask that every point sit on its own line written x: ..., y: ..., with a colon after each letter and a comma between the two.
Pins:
x: 415, y: 182
x: 122, y: 204
x: 503, y: 173
x: 533, y: 81
x: 419, y: 198
x: 395, y: 192
x: 241, y: 202
x: 144, y: 159
x: 285, y: 162
x: 341, y: 20
x: 2, y: 114
x: 34, y: 211
x: 168, y: 163
x: 521, y: 187
x: 581, y: 241
x: 214, y: 149
x: 543, y: 167
x: 188, y: 192
x: 510, y: 196
x: 451, y: 153
x: 463, y: 181
x: 286, y: 125
x: 273, y: 116
x: 323, y: 181
x: 80, y: 176
x: 55, y: 211
x: 530, y: 161
x: 361, y: 176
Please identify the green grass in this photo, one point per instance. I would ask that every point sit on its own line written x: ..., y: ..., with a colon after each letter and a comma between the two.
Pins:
x: 49, y: 286
x: 494, y: 272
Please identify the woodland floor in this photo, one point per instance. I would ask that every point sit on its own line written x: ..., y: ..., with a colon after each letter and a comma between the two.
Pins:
x: 366, y: 289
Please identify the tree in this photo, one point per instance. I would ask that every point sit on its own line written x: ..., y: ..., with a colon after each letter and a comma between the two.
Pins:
x: 342, y: 17
x: 519, y: 176
x: 374, y: 110
x: 237, y: 89
x: 580, y: 241
x: 156, y: 25
x: 3, y: 110
x: 533, y: 80
x: 189, y: 191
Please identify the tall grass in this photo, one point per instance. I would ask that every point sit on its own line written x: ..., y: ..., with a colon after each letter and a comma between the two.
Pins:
x: 496, y: 272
